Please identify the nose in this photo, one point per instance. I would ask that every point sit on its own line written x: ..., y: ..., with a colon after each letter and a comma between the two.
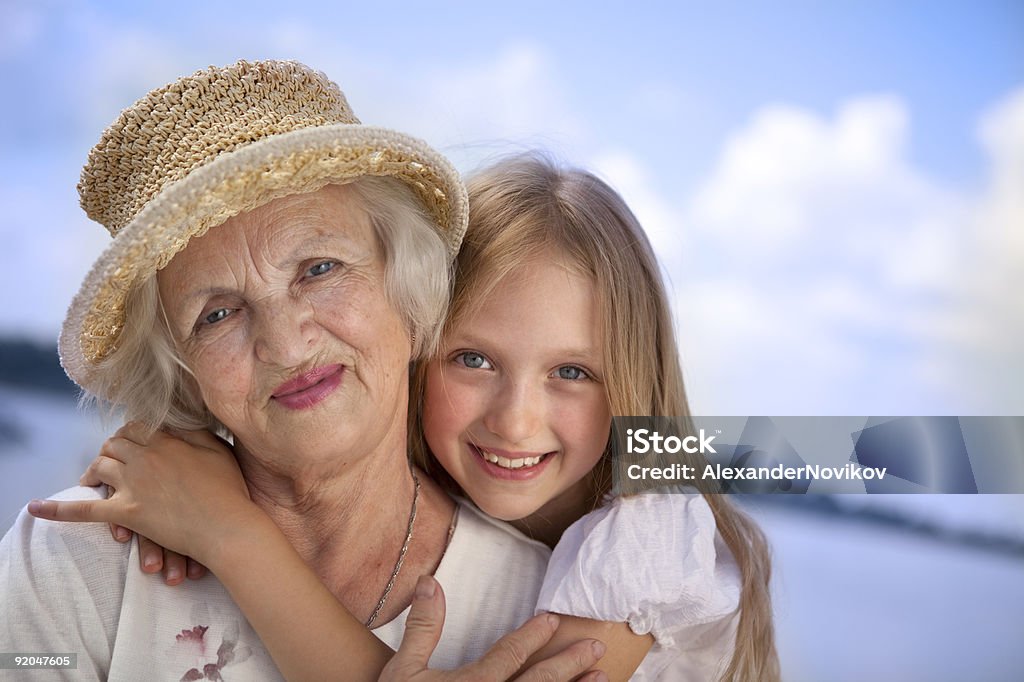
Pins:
x: 515, y: 413
x: 286, y: 331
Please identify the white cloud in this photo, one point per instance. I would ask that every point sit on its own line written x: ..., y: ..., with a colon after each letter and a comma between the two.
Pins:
x: 1001, y: 213
x: 989, y: 317
x: 843, y: 278
x: 792, y: 185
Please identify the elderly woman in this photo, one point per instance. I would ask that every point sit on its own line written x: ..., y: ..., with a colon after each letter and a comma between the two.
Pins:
x: 275, y: 268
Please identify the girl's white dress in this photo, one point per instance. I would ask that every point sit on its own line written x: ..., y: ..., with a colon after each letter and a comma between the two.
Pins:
x: 657, y: 562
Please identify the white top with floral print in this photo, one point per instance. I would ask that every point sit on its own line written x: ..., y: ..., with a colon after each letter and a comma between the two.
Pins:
x: 69, y: 588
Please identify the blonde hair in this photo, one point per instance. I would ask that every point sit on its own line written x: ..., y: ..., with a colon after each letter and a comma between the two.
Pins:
x: 146, y: 377
x: 525, y: 206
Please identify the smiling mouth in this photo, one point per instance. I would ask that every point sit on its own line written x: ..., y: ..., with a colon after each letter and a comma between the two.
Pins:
x: 510, y: 463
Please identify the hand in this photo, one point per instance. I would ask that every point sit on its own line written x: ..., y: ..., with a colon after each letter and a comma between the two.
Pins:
x: 500, y: 663
x: 153, y: 558
x: 184, y: 491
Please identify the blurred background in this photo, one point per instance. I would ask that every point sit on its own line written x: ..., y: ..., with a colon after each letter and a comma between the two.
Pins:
x: 835, y: 190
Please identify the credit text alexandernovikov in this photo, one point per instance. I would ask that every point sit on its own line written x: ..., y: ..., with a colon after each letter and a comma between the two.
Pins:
x: 779, y: 472
x: 643, y: 441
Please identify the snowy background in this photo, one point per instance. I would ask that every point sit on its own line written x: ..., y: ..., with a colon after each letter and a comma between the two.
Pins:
x: 836, y: 192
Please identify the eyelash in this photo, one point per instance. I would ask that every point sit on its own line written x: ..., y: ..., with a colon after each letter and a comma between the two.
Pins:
x: 460, y: 359
x: 332, y: 263
x: 207, y: 320
x: 584, y: 374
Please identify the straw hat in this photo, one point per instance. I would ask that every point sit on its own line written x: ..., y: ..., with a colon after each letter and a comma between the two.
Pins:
x: 188, y: 156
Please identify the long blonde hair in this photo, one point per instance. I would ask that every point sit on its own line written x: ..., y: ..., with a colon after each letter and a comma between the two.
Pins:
x: 527, y: 205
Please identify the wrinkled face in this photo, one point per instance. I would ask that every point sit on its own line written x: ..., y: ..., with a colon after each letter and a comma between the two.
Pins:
x: 281, y: 315
x: 515, y: 408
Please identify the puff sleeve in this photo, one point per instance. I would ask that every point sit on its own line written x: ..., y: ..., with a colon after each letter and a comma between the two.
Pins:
x: 656, y: 562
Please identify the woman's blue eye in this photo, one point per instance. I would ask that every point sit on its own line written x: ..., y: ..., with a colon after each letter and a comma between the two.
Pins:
x: 473, y: 360
x: 321, y: 268
x: 571, y: 373
x: 216, y: 316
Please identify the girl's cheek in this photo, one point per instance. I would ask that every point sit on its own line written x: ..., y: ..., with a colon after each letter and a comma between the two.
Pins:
x: 460, y: 404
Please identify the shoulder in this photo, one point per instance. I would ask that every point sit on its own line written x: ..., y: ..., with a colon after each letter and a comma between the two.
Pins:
x: 654, y: 560
x: 651, y: 526
x: 72, y: 555
x: 86, y: 546
x: 62, y: 586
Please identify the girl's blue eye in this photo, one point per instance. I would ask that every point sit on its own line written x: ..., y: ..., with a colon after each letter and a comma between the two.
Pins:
x: 321, y: 268
x: 216, y: 316
x: 571, y: 373
x: 473, y: 360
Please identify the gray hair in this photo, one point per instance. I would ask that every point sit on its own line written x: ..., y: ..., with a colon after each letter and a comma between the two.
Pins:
x: 147, y: 378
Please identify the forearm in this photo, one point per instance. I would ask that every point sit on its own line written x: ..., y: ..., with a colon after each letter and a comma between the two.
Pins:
x: 625, y: 650
x: 309, y: 634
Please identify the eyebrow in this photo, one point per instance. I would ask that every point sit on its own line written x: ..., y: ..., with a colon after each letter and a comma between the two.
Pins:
x: 296, y: 254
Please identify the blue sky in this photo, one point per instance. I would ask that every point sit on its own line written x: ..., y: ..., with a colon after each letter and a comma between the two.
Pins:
x: 834, y: 188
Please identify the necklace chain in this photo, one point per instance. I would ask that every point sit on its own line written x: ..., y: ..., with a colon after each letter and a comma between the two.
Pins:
x: 401, y: 554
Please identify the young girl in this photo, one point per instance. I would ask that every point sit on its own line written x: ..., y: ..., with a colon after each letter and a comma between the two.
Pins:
x: 559, y: 320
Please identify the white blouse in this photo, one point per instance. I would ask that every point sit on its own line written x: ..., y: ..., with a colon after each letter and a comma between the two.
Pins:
x: 657, y: 562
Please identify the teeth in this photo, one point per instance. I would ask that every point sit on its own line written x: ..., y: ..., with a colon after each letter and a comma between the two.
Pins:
x: 507, y: 463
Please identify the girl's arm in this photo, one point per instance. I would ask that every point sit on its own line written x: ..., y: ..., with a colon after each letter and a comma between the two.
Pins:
x: 188, y: 495
x: 625, y: 650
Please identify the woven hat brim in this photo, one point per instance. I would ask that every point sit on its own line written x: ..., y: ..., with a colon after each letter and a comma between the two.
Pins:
x: 291, y: 163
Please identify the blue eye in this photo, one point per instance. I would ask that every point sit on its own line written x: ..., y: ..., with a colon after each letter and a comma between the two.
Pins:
x: 321, y: 268
x: 571, y: 373
x: 217, y: 315
x: 472, y: 360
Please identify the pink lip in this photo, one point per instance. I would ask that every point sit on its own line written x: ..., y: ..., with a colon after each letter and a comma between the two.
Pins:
x: 521, y: 474
x: 310, y: 387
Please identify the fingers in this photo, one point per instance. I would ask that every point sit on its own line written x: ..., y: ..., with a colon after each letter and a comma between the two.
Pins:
x: 120, y: 449
x: 151, y: 555
x: 511, y: 651
x: 71, y: 510
x: 153, y: 558
x: 104, y: 470
x: 569, y: 663
x: 174, y: 568
x: 593, y: 676
x: 422, y: 633
x: 136, y: 432
x: 200, y: 439
x: 120, y: 533
x: 193, y: 569
x: 141, y: 434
